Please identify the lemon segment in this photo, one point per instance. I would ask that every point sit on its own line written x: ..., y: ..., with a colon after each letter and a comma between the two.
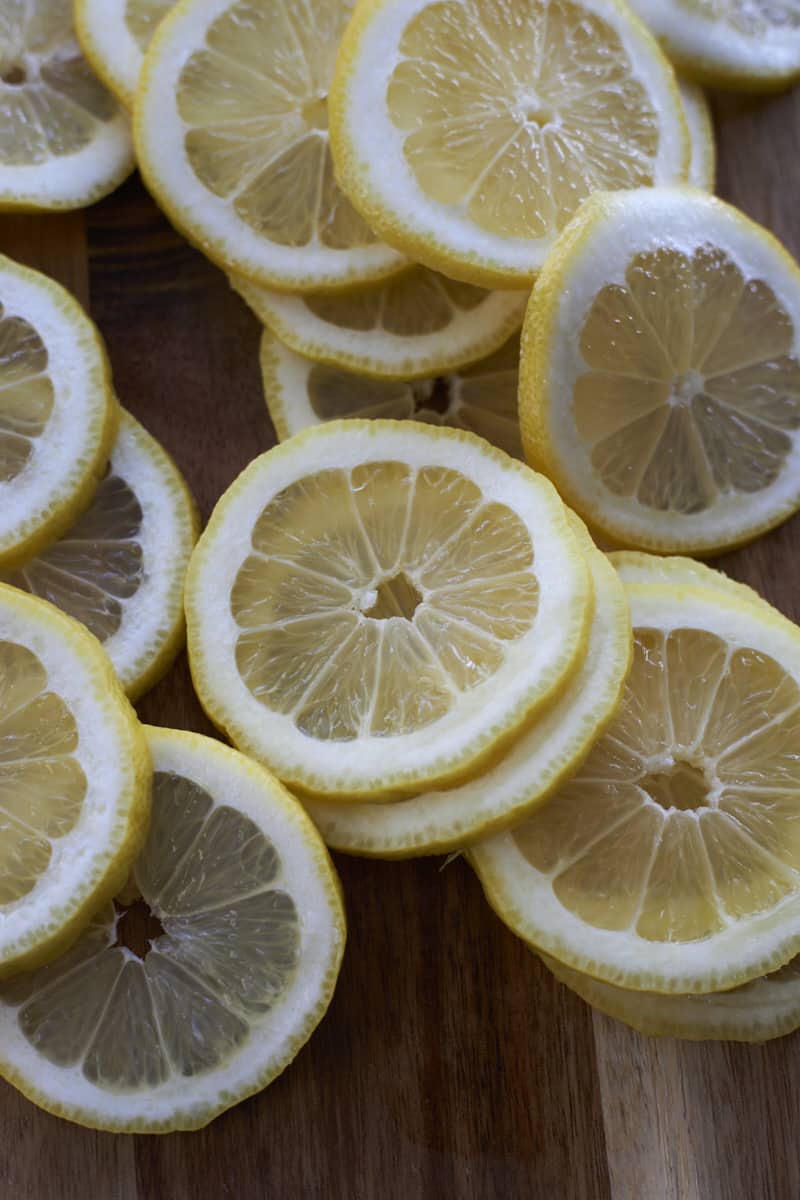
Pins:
x: 114, y: 35
x: 700, y: 122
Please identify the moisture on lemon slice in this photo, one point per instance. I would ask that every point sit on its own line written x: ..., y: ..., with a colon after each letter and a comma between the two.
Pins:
x: 174, y: 1007
x: 231, y: 130
x: 379, y: 606
x: 120, y: 568
x: 114, y: 35
x: 481, y: 398
x: 58, y: 416
x: 700, y: 122
x: 74, y: 778
x: 660, y: 375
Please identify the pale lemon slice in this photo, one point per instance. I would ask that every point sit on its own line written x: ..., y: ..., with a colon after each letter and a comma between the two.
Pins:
x: 632, y: 566
x: 481, y: 398
x: 114, y: 35
x: 64, y: 141
x: 703, y: 161
x: 468, y: 132
x: 379, y: 606
x: 74, y: 777
x: 58, y: 416
x: 671, y: 861
x: 660, y: 377
x: 231, y: 130
x: 174, y: 1007
x: 417, y: 324
x: 120, y: 568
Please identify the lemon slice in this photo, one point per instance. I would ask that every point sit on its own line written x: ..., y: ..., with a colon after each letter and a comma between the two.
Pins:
x: 660, y: 380
x: 231, y: 132
x: 468, y: 133
x: 634, y: 567
x: 65, y: 141
x: 74, y: 774
x: 377, y: 606
x: 481, y: 398
x: 170, y: 1010
x: 417, y: 324
x: 120, y: 568
x: 670, y: 862
x: 58, y: 417
x: 703, y: 161
x: 541, y: 759
x: 114, y: 35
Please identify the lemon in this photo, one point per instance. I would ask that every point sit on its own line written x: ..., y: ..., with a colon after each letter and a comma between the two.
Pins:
x: 660, y: 381
x: 468, y: 132
x: 58, y: 416
x: 378, y: 606
x: 74, y: 775
x: 481, y: 398
x: 239, y: 941
x: 634, y: 567
x: 120, y: 568
x: 114, y: 35
x: 231, y: 130
x: 669, y: 862
x: 703, y: 160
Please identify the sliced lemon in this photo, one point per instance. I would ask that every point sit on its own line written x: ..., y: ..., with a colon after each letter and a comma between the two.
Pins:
x: 481, y: 398
x: 65, y: 141
x: 671, y: 862
x: 231, y: 131
x: 114, y: 35
x: 171, y: 1010
x: 58, y: 416
x: 660, y: 377
x: 378, y: 606
x: 703, y: 161
x: 468, y: 133
x: 634, y: 567
x: 120, y: 568
x: 74, y: 777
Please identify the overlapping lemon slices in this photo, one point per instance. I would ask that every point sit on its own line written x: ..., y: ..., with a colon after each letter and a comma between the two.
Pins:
x: 114, y: 35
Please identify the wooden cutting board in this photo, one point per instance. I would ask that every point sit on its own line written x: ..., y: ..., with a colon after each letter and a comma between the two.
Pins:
x: 451, y: 1064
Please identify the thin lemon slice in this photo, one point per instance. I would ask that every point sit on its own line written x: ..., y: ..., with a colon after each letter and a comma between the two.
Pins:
x: 660, y: 376
x: 481, y: 398
x: 417, y: 324
x: 537, y: 763
x: 74, y: 776
x: 634, y: 567
x: 671, y: 862
x: 58, y: 416
x: 468, y: 132
x: 64, y: 141
x: 703, y: 161
x: 120, y: 568
x: 379, y: 606
x: 114, y: 35
x: 231, y: 131
x: 168, y: 1012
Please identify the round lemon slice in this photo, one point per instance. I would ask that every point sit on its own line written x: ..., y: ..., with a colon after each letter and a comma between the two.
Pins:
x: 58, y: 417
x: 174, y: 1007
x: 669, y: 863
x: 377, y: 606
x: 120, y: 568
x: 74, y: 776
x: 481, y: 398
x: 231, y: 130
x: 468, y: 132
x: 703, y: 160
x: 114, y: 35
x: 660, y: 377
x: 542, y: 758
x: 415, y: 325
x: 635, y: 567
x: 66, y: 142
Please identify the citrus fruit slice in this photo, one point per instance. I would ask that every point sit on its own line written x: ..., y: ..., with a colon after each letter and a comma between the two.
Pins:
x: 468, y: 133
x: 703, y: 160
x: 74, y: 776
x: 65, y: 142
x: 669, y: 863
x: 660, y: 379
x: 481, y: 398
x: 632, y: 566
x: 173, y: 1008
x: 231, y: 131
x: 414, y: 325
x: 120, y: 568
x: 377, y: 606
x: 114, y: 35
x: 58, y: 417
x: 544, y: 756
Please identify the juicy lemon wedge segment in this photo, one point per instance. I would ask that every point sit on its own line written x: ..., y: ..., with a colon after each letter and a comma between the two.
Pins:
x: 700, y: 122
x: 181, y: 1004
x: 114, y: 35
x: 377, y: 606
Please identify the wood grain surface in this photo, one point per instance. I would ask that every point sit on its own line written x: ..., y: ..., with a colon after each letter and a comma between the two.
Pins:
x: 451, y: 1064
